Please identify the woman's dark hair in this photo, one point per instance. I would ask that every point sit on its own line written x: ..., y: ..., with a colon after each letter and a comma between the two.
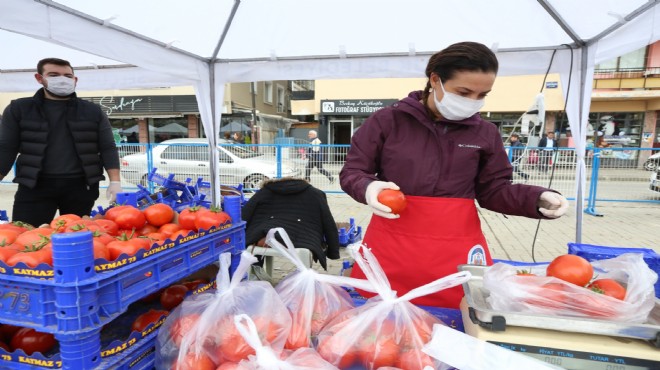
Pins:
x: 462, y: 56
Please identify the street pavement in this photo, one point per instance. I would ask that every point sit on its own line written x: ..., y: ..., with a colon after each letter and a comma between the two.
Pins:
x: 623, y: 224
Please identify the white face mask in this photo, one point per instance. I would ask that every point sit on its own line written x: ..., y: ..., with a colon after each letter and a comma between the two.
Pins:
x: 60, y: 85
x: 455, y: 107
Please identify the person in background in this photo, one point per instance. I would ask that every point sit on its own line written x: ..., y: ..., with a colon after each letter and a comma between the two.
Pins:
x: 132, y: 138
x: 436, y: 148
x: 315, y: 157
x: 238, y: 138
x: 547, y: 145
x: 227, y: 135
x: 63, y: 144
x: 517, y: 151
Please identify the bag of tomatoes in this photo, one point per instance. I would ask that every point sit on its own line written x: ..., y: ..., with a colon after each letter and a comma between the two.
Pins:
x: 266, y: 358
x: 313, y: 299
x: 617, y: 289
x: 201, y: 332
x: 387, y: 331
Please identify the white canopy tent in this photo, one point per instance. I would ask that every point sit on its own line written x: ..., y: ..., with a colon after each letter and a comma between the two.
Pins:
x: 207, y: 43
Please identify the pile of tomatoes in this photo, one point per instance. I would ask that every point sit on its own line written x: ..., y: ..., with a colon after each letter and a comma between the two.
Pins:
x: 13, y: 338
x: 123, y: 230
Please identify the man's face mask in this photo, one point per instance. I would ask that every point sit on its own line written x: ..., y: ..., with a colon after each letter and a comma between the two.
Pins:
x: 60, y: 85
x: 455, y: 107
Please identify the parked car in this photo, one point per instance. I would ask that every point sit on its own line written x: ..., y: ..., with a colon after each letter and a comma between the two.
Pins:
x: 189, y: 158
x: 652, y: 163
x: 655, y: 180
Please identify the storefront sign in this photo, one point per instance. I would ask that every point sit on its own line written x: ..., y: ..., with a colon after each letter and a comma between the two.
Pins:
x: 109, y: 104
x: 354, y: 107
x: 118, y: 106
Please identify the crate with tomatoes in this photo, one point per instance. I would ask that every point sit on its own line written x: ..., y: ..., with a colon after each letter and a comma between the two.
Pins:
x: 73, y: 278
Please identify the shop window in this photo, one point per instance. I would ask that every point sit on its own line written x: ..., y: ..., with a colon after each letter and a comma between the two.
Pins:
x: 633, y: 61
x: 281, y: 99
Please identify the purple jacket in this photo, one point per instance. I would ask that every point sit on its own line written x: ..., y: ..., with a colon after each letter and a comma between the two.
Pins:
x: 451, y: 159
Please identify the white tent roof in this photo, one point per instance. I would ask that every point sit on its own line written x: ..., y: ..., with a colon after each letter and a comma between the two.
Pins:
x: 206, y: 43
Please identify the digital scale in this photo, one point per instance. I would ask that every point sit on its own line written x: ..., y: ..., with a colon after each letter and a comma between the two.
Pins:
x: 572, y: 351
x: 569, y: 343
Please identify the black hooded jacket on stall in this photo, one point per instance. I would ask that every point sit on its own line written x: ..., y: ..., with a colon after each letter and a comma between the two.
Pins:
x: 300, y: 209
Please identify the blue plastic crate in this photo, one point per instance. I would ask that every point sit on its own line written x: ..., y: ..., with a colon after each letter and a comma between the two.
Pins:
x: 598, y: 252
x: 75, y: 301
x: 350, y: 235
x: 3, y: 216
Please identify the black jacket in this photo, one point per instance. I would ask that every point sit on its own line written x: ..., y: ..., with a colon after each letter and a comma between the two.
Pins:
x: 24, y: 132
x: 544, y: 141
x: 300, y: 209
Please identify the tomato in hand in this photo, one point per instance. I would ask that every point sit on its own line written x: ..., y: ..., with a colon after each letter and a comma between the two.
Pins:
x: 393, y: 199
x: 152, y: 316
x: 159, y: 214
x: 209, y: 218
x: 173, y: 296
x: 571, y: 268
x: 608, y: 287
x: 31, y: 341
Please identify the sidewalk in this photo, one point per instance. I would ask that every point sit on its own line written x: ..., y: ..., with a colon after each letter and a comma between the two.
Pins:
x: 623, y: 224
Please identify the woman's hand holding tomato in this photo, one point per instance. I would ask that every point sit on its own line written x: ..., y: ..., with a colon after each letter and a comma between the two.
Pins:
x: 393, y: 199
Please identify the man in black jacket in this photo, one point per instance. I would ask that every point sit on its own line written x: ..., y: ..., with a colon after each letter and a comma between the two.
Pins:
x: 300, y: 209
x: 63, y: 144
x: 547, y: 147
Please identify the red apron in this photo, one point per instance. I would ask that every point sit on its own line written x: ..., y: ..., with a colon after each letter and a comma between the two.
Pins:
x: 430, y: 239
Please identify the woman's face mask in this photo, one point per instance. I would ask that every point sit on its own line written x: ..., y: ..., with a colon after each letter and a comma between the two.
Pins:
x: 455, y: 107
x: 60, y: 85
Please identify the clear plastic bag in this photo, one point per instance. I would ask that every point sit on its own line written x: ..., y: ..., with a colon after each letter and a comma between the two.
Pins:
x: 387, y: 330
x: 313, y: 299
x: 202, y: 328
x: 266, y: 358
x: 551, y: 296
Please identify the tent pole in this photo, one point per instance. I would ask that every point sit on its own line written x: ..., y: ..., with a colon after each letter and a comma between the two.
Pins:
x: 213, y: 152
x: 581, y: 177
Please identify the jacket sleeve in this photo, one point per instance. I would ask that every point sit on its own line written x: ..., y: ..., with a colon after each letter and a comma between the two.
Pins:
x: 9, y: 140
x: 363, y: 158
x: 107, y: 146
x: 495, y: 191
x: 329, y: 229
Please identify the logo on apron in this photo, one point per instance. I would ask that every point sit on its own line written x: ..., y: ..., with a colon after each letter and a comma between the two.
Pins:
x: 477, y: 256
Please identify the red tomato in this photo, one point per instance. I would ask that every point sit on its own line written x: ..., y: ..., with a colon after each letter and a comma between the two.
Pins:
x: 103, y: 237
x: 82, y: 225
x: 34, y: 258
x: 112, y: 212
x: 569, y: 267
x: 18, y: 226
x: 187, y: 218
x: 228, y: 366
x: 231, y: 345
x: 393, y: 199
x: 31, y: 341
x: 194, y: 362
x: 146, y: 229
x: 159, y: 214
x: 7, y: 332
x: 173, y: 296
x: 182, y: 326
x: 130, y: 218
x: 5, y: 347
x: 156, y: 238
x: 552, y: 295
x: 7, y: 236
x: 169, y: 229
x: 60, y: 223
x: 152, y: 316
x: 209, y: 218
x: 34, y: 237
x: 328, y: 350
x: 8, y: 251
x: 100, y: 250
x: 108, y: 226
x: 118, y: 247
x: 386, y: 354
x: 609, y: 287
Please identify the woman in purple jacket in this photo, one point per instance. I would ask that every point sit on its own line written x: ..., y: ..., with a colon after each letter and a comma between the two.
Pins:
x: 435, y: 147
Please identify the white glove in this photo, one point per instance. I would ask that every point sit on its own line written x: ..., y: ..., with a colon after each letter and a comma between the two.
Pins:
x: 371, y: 196
x: 112, y: 190
x: 552, y: 205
